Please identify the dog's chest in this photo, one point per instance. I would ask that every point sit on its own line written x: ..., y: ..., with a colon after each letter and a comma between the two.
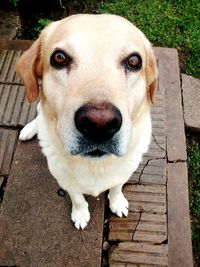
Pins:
x: 91, y: 179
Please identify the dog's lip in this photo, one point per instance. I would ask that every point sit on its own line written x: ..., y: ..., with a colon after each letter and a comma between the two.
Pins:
x: 87, y: 148
x: 97, y: 153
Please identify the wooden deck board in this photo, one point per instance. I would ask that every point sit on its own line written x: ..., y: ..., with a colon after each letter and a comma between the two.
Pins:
x: 8, y: 139
x: 14, y: 109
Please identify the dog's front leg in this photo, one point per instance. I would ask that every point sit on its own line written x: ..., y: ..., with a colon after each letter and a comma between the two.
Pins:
x: 80, y: 214
x: 29, y: 131
x: 118, y: 203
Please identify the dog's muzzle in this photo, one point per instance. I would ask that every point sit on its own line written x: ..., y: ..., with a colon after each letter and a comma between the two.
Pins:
x: 98, y: 125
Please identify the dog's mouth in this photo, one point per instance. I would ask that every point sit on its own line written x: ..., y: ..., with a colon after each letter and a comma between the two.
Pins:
x: 87, y: 148
x: 97, y: 153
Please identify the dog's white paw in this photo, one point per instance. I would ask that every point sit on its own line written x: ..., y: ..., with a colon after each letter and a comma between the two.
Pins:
x: 80, y: 217
x: 119, y: 205
x: 28, y: 131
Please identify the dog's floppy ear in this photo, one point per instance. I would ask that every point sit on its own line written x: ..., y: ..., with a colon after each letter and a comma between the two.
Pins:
x: 29, y: 67
x: 151, y: 73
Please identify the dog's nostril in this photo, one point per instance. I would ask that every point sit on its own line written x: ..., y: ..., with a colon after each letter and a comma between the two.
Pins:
x: 98, y: 122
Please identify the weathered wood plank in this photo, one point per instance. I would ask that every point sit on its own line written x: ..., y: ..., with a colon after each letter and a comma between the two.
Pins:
x: 147, y: 221
x: 153, y: 230
x: 139, y: 254
x: 8, y: 139
x: 14, y: 108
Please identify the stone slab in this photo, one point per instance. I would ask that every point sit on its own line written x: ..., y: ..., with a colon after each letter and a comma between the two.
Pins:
x: 169, y: 81
x: 179, y: 238
x: 8, y: 140
x: 36, y: 229
x: 130, y: 254
x: 191, y: 101
x: 14, y: 108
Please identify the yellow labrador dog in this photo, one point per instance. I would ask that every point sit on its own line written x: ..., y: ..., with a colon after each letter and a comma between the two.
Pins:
x: 98, y: 75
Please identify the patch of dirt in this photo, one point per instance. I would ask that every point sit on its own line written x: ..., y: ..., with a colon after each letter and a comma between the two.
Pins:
x: 183, y: 56
x: 9, y: 27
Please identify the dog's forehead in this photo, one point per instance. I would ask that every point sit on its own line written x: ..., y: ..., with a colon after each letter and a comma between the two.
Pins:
x: 99, y: 31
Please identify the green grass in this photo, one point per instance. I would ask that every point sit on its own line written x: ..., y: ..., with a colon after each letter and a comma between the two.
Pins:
x: 167, y: 24
x: 193, y: 150
x: 42, y: 22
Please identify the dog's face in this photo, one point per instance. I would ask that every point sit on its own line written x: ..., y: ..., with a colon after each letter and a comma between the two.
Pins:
x: 98, y: 75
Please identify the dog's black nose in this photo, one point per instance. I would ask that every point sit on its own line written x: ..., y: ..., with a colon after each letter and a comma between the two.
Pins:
x: 98, y: 121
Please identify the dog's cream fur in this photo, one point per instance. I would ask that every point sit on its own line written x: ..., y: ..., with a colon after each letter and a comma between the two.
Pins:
x: 98, y: 43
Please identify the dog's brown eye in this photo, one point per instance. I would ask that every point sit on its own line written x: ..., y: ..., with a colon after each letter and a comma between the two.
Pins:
x: 133, y: 62
x: 59, y: 59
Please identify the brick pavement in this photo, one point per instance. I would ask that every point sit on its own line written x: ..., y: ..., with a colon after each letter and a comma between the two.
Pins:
x: 36, y: 229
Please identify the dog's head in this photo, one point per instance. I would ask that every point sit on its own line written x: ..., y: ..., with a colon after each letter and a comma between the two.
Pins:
x: 98, y: 76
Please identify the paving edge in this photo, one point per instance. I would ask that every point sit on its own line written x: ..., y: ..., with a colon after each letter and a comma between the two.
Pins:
x: 179, y: 229
x: 176, y: 143
x: 179, y: 237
